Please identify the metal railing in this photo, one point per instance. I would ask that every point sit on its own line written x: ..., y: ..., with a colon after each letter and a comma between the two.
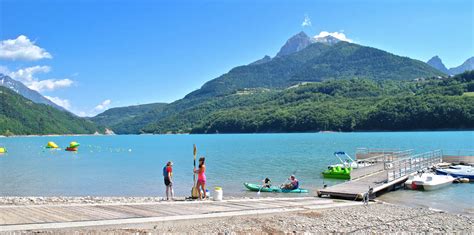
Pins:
x: 405, y: 166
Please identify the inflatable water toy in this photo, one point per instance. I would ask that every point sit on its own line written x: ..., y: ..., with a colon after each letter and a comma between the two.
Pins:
x: 74, y: 144
x: 337, y: 172
x: 51, y: 145
x: 3, y: 150
x: 71, y: 149
x: 273, y: 189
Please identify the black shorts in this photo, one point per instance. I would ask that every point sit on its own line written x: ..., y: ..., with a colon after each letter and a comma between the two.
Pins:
x: 168, y: 182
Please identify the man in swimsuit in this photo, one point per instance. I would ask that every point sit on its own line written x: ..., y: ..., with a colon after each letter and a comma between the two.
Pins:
x: 168, y: 177
x: 294, y: 184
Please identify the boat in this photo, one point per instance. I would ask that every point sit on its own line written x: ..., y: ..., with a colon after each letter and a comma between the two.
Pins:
x: 428, y: 181
x: 349, y: 162
x: 272, y: 189
x: 343, y: 169
x: 458, y: 171
x: 337, y: 172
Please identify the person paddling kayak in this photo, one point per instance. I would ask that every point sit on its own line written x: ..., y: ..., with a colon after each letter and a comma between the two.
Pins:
x: 294, y: 183
x: 168, y: 177
x: 201, y: 182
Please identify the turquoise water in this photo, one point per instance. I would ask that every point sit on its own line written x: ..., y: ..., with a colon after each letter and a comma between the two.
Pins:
x: 132, y: 165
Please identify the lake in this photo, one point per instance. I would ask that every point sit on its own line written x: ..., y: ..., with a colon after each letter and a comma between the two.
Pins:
x: 131, y: 165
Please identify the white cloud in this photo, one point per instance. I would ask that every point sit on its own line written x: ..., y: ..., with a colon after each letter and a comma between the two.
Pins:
x: 102, y: 106
x: 27, y: 77
x: 22, y: 48
x: 306, y: 22
x: 61, y: 102
x: 50, y: 84
x: 339, y: 35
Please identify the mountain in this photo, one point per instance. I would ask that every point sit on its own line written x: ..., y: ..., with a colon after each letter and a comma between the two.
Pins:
x: 317, y: 62
x: 263, y: 60
x: 26, y: 92
x: 114, y: 116
x: 21, y: 116
x: 296, y: 43
x: 337, y: 105
x: 314, y: 76
x: 467, y: 65
x: 330, y: 40
x: 436, y: 63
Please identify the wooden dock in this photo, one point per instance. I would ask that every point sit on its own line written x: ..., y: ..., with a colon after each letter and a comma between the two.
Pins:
x: 388, y: 171
x: 47, y: 217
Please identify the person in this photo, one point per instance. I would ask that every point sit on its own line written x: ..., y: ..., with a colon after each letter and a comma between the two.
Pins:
x: 201, y: 182
x: 294, y: 184
x: 168, y: 177
x: 267, y: 183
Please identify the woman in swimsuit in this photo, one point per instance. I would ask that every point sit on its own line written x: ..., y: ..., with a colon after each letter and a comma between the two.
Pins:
x: 201, y: 183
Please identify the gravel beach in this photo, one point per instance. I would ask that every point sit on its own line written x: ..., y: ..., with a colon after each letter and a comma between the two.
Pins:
x: 374, y: 218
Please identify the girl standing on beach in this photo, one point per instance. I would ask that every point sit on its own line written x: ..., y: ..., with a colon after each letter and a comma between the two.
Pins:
x: 168, y: 176
x: 201, y: 183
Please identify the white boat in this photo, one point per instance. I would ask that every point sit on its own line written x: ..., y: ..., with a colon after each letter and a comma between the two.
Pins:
x: 428, y: 181
x: 458, y: 171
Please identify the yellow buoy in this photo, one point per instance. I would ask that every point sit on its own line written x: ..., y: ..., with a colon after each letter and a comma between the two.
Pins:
x: 3, y: 150
x: 52, y: 145
x: 73, y: 144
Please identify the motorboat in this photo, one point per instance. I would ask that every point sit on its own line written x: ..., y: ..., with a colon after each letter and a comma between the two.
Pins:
x: 428, y: 181
x: 458, y: 171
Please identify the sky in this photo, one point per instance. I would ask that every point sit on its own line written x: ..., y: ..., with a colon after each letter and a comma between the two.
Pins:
x: 89, y: 56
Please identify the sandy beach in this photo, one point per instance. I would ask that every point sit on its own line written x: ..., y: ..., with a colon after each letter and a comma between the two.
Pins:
x: 378, y: 217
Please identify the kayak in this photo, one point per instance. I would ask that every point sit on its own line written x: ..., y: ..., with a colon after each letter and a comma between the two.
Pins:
x: 273, y: 189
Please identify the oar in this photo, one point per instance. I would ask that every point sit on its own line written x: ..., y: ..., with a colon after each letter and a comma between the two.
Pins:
x: 194, y: 174
x: 258, y: 193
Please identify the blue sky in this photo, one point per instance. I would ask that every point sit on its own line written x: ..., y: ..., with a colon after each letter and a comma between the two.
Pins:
x: 92, y: 55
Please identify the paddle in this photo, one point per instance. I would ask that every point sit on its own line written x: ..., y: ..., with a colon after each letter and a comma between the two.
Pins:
x: 194, y: 189
x: 260, y: 189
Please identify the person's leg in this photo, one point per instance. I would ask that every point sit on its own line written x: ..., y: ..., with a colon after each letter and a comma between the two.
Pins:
x: 167, y: 192
x: 198, y: 186
x: 171, y: 191
x: 203, y: 185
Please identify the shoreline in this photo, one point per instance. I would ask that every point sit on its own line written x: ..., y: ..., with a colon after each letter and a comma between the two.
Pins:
x: 377, y: 217
x: 246, y: 133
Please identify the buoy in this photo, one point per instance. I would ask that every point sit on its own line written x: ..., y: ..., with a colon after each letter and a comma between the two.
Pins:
x: 74, y: 144
x: 52, y: 145
x: 3, y: 150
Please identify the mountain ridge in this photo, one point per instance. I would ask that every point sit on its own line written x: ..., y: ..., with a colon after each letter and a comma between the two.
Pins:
x: 20, y: 88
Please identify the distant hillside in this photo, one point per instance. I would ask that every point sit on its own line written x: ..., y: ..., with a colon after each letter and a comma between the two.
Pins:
x: 21, y: 116
x: 317, y: 62
x: 338, y: 105
x: 466, y: 66
x: 436, y: 63
x: 114, y: 116
x: 26, y: 92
